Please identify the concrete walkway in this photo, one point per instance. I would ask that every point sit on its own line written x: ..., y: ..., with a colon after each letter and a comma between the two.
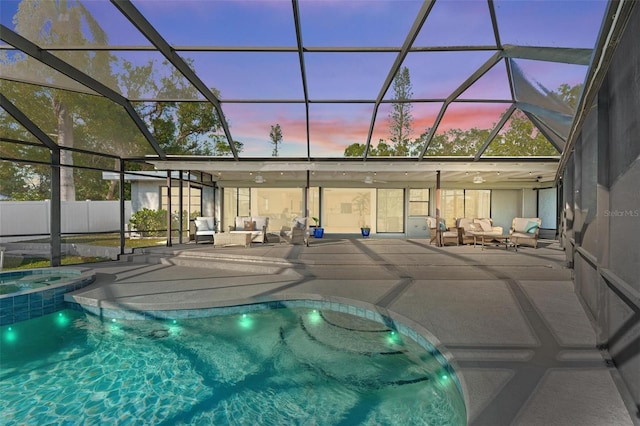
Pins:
x: 519, y: 338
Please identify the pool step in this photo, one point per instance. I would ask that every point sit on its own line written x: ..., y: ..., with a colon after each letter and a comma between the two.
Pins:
x: 336, y: 351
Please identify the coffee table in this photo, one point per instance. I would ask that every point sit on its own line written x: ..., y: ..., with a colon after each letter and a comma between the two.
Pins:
x: 500, y: 239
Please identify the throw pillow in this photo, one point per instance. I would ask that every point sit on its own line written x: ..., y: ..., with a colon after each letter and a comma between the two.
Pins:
x: 531, y: 227
x: 474, y: 227
x: 485, y: 224
x: 249, y: 225
x: 201, y: 225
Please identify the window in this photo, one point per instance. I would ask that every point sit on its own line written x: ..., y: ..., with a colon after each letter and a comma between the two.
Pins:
x: 236, y: 203
x: 191, y: 201
x: 418, y: 202
x: 477, y: 203
x: 452, y: 205
x: 458, y: 203
x: 390, y: 210
x: 281, y: 205
x: 336, y: 219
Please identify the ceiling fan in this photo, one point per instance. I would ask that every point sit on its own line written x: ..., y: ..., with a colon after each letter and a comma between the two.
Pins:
x: 368, y: 179
x: 526, y: 179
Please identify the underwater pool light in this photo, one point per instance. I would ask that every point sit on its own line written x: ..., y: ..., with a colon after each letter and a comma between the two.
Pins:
x: 10, y: 335
x: 315, y: 317
x: 61, y: 320
x: 246, y: 322
x: 393, y: 338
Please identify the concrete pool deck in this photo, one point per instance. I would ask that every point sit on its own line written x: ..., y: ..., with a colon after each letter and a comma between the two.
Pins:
x: 520, y: 339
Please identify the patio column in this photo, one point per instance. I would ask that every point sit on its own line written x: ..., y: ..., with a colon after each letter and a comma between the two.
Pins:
x: 438, y: 231
x: 55, y: 212
x: 169, y: 208
x: 122, y: 206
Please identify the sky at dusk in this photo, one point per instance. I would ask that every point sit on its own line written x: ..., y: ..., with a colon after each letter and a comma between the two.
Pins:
x: 274, y: 78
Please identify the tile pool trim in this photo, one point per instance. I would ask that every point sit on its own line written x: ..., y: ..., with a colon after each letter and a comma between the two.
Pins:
x: 391, y: 320
x: 34, y: 303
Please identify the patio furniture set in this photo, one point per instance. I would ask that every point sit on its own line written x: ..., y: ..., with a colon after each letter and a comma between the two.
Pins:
x: 481, y: 231
x: 244, y: 231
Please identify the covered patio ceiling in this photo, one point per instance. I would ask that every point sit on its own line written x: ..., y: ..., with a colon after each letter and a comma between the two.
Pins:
x: 326, y: 73
x: 526, y: 173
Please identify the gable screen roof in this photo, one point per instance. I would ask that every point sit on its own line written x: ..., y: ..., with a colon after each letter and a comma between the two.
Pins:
x: 413, y: 79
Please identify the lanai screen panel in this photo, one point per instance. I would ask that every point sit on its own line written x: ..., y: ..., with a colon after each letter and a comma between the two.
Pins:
x: 336, y: 59
x: 251, y: 123
x: 221, y: 23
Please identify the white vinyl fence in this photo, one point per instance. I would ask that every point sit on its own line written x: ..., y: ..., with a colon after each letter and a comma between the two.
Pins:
x: 32, y: 217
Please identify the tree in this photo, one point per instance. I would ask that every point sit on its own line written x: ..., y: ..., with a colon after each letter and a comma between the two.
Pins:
x: 400, y: 124
x: 178, y: 127
x: 276, y: 138
x: 97, y: 123
x: 569, y: 94
x: 522, y: 138
x: 355, y: 150
x: 63, y: 23
x: 400, y: 118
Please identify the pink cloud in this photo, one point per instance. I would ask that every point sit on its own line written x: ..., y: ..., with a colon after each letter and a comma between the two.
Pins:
x: 331, y: 135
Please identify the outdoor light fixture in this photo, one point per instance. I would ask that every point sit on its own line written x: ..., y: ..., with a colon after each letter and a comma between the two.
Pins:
x: 478, y: 179
x: 259, y: 179
x: 368, y: 179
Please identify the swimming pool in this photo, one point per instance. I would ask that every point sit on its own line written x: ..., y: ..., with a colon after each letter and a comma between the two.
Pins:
x: 32, y: 293
x: 272, y: 366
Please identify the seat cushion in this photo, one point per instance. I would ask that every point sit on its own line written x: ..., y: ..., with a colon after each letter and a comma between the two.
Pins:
x: 466, y: 224
x: 239, y: 225
x: 473, y: 227
x: 260, y: 222
x: 522, y: 235
x: 201, y: 224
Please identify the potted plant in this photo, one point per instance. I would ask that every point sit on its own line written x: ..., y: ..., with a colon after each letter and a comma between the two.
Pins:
x: 365, y: 230
x: 318, y: 231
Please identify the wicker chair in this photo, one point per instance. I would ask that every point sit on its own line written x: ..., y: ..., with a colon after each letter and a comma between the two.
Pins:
x: 296, y: 233
x: 525, y: 230
x: 445, y: 234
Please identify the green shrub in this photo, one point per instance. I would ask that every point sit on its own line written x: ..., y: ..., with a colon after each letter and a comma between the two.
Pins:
x: 149, y: 223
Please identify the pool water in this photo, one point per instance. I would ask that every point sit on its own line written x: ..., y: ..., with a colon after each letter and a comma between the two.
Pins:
x: 14, y: 282
x: 270, y: 367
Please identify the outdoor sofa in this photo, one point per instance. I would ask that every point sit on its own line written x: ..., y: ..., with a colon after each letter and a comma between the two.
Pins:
x: 470, y: 229
x: 254, y: 225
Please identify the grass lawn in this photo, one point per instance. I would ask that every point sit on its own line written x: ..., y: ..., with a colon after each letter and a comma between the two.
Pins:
x: 107, y: 240
x: 104, y: 240
x: 15, y: 263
